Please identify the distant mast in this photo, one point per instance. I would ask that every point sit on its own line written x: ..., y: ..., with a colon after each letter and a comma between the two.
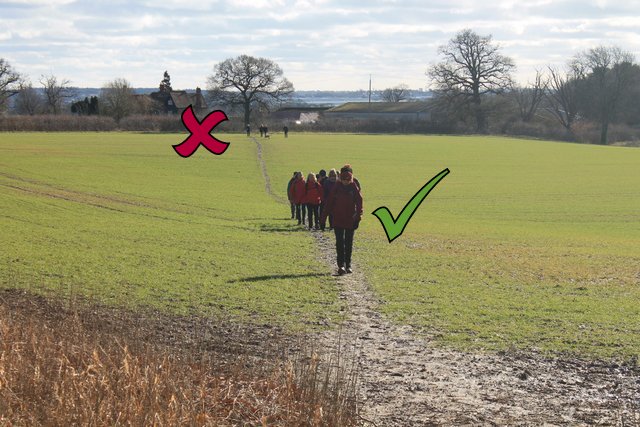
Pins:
x: 369, y: 91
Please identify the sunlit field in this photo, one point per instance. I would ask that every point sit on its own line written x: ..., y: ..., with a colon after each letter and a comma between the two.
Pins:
x: 122, y: 219
x: 525, y: 244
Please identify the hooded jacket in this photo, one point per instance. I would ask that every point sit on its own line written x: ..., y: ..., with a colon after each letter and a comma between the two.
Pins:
x: 314, y: 193
x: 345, y: 204
x: 298, y: 191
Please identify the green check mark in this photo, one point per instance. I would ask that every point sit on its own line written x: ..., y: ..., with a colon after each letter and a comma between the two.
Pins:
x: 394, y: 228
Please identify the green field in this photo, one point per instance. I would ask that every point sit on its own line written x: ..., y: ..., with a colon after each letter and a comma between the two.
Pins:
x: 525, y: 244
x: 123, y: 219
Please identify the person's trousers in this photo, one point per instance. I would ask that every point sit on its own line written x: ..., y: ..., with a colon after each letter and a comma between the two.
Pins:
x: 313, y: 215
x: 344, y: 245
x: 300, y: 213
x: 293, y: 210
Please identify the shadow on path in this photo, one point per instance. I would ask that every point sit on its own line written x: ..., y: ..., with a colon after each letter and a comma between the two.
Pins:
x: 275, y: 277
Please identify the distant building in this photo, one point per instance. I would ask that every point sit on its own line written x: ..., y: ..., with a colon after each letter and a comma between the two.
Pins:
x: 412, y: 111
x: 176, y: 101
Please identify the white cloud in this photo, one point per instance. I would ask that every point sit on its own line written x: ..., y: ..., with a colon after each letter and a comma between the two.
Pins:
x: 319, y: 43
x: 51, y: 3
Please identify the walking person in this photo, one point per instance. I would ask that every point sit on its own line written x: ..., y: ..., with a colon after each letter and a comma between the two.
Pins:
x: 298, y: 194
x: 313, y: 198
x: 290, y: 196
x: 327, y: 186
x: 345, y: 203
x: 248, y: 129
x: 322, y: 177
x: 285, y: 129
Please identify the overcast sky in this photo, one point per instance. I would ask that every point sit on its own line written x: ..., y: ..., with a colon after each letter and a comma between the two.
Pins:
x: 319, y: 44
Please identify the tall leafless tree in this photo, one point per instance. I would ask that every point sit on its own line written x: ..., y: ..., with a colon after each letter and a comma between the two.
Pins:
x: 248, y: 82
x: 116, y: 99
x: 472, y: 68
x: 530, y: 97
x: 9, y: 82
x: 55, y: 92
x: 562, y: 97
x: 28, y: 101
x: 396, y: 94
x: 606, y: 74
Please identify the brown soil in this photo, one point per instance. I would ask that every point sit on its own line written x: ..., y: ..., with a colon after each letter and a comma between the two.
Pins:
x: 252, y: 344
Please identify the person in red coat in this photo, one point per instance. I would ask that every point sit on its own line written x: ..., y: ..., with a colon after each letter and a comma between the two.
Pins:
x: 345, y: 204
x: 313, y: 199
x: 298, y: 194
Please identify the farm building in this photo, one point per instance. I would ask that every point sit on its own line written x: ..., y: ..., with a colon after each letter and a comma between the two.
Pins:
x: 412, y: 111
x: 175, y: 101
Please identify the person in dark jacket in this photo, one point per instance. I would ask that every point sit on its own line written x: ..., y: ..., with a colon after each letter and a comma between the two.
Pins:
x: 345, y: 204
x: 321, y: 177
x: 298, y: 194
x: 313, y: 197
x: 327, y: 186
x: 289, y: 196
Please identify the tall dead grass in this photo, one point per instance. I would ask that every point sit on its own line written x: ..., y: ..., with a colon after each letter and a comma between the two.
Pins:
x: 61, y: 372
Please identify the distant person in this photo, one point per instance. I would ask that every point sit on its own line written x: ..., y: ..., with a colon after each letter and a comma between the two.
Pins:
x: 345, y: 204
x: 298, y: 193
x: 261, y: 130
x: 313, y: 197
x: 285, y: 129
x: 289, y: 195
x: 327, y: 186
x: 248, y: 130
x: 322, y: 175
x: 266, y: 132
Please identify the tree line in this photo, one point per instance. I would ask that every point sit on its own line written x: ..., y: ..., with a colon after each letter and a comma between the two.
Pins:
x: 474, y: 83
x: 473, y: 86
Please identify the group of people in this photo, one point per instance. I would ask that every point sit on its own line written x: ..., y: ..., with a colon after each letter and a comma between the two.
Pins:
x: 336, y: 197
x: 264, y: 130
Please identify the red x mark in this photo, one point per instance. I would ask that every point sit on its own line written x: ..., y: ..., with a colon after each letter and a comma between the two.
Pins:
x: 200, y: 133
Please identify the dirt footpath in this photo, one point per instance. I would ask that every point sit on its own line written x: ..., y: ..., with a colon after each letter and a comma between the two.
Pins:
x: 407, y: 381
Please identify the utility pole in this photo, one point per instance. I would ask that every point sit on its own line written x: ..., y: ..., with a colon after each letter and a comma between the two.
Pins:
x: 369, y: 91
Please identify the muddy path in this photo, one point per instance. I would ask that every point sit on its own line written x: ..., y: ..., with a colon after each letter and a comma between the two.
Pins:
x: 407, y: 380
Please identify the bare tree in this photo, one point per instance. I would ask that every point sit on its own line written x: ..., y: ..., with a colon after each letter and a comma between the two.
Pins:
x: 248, y: 82
x: 396, y: 94
x: 9, y: 81
x: 529, y: 98
x: 117, y: 99
x: 562, y: 97
x: 472, y: 67
x: 28, y: 100
x: 606, y: 74
x: 55, y: 92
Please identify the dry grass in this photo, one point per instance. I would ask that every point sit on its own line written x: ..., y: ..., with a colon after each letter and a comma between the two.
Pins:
x: 58, y: 370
